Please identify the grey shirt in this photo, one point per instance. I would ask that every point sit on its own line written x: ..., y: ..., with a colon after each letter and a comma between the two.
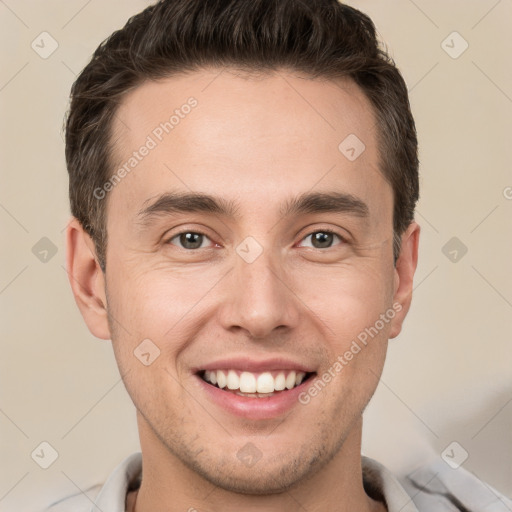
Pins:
x: 435, y: 487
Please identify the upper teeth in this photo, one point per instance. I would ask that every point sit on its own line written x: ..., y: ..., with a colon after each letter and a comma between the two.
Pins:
x: 248, y: 382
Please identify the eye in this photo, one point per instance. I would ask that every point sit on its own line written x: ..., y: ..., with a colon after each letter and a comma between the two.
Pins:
x: 323, y: 239
x: 189, y: 240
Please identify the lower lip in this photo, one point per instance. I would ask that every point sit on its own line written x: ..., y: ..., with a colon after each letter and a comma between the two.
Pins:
x: 254, y: 408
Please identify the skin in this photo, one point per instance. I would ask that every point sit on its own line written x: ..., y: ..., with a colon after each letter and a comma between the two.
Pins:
x: 260, y: 141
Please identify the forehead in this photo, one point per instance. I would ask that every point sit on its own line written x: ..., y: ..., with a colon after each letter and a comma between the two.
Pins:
x: 246, y: 136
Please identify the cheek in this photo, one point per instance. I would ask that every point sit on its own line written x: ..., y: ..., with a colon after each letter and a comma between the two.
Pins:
x: 160, y: 305
x: 165, y: 305
x: 155, y: 301
x: 346, y: 300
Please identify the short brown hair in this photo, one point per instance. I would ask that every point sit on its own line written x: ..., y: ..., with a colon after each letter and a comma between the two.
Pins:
x: 321, y: 38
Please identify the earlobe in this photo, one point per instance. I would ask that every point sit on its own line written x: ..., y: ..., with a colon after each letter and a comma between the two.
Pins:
x: 404, y: 275
x: 86, y: 279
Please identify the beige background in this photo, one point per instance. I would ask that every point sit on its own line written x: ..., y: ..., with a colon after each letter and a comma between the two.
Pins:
x: 448, y: 374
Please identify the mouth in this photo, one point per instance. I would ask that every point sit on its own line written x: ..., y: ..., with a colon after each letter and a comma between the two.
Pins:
x: 247, y: 384
x: 255, y: 389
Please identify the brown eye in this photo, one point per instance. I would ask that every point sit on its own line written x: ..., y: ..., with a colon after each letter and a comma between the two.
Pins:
x: 322, y: 239
x: 189, y: 240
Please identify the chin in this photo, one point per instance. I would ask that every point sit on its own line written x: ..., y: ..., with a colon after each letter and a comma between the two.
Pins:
x: 254, y: 481
x: 266, y: 476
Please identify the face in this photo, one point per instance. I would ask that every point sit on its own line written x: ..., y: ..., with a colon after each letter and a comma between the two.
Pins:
x: 269, y: 282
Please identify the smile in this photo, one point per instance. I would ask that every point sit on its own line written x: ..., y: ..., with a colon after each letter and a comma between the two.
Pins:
x: 254, y: 389
x: 254, y: 385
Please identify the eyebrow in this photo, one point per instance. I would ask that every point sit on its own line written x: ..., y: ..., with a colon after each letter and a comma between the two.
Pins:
x: 190, y: 202
x: 197, y: 202
x: 330, y: 202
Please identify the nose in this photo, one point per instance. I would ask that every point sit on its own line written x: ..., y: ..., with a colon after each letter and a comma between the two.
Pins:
x: 260, y: 298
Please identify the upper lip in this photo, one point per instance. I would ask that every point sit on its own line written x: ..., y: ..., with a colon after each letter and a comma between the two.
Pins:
x: 255, y: 365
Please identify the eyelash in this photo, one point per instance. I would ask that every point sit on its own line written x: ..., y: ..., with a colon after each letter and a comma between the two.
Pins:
x: 330, y: 231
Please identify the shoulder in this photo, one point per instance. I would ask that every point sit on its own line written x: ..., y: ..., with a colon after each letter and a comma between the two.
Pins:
x: 79, y: 502
x: 437, y: 484
x: 108, y: 497
x: 433, y: 487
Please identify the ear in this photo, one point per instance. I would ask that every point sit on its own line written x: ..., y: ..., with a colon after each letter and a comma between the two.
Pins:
x: 86, y: 279
x: 404, y: 273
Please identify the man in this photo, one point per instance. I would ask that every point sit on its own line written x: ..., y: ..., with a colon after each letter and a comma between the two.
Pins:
x: 243, y: 178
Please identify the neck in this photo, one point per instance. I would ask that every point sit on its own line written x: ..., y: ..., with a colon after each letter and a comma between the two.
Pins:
x: 169, y: 485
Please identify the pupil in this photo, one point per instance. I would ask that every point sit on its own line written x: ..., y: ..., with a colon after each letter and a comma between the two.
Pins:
x: 191, y: 240
x: 322, y: 239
